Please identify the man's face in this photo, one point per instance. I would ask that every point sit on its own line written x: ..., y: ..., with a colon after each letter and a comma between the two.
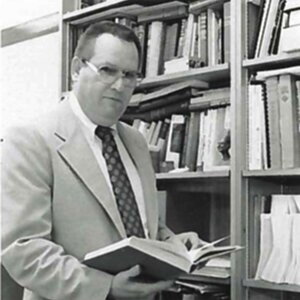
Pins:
x: 102, y: 102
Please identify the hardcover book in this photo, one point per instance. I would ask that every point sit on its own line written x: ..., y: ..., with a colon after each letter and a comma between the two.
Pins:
x: 160, y: 260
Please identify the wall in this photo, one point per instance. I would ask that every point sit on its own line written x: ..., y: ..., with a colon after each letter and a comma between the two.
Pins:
x: 30, y: 71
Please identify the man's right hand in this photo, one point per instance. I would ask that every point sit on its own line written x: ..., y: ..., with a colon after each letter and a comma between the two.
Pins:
x: 126, y: 285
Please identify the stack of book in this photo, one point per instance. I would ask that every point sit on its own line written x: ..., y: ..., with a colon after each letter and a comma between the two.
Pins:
x: 274, y: 120
x: 186, y: 126
x: 176, y: 37
x: 280, y: 241
x: 276, y: 26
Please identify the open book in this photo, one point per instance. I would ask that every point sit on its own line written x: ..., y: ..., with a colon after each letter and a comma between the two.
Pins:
x: 160, y: 260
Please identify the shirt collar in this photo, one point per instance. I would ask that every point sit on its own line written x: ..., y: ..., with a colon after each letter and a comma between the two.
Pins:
x: 88, y: 124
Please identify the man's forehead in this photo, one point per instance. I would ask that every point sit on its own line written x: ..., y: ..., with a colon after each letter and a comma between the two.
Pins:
x: 112, y: 49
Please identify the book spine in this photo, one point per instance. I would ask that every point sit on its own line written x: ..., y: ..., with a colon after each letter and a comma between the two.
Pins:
x: 226, y: 18
x: 180, y: 96
x: 203, y: 38
x: 271, y: 18
x: 200, y: 148
x: 181, y: 37
x: 183, y: 155
x: 188, y: 36
x: 154, y: 49
x: 273, y: 119
x: 192, y: 141
x: 163, y: 14
x: 175, y: 140
x: 289, y: 121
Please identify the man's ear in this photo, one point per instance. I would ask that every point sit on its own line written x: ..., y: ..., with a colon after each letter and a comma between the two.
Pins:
x: 76, y: 65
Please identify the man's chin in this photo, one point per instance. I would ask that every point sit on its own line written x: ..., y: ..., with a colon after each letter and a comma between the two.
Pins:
x: 108, y: 120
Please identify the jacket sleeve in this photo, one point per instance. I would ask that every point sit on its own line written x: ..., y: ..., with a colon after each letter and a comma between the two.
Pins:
x: 29, y: 255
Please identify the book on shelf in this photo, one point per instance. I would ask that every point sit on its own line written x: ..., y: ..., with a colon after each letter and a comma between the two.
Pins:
x: 159, y: 113
x: 176, y: 140
x: 202, y: 28
x: 210, y: 98
x: 226, y: 29
x: 142, y: 34
x: 192, y: 141
x: 213, y: 149
x: 165, y: 96
x: 164, y: 11
x: 155, y: 44
x: 260, y: 204
x: 279, y: 28
x: 274, y: 140
x: 171, y: 39
x: 279, y: 241
x: 160, y: 260
x: 289, y: 127
x: 157, y: 146
x: 274, y: 131
x: 254, y: 18
x: 290, y: 29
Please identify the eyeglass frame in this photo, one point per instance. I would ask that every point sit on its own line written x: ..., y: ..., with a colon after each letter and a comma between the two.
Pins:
x: 121, y: 74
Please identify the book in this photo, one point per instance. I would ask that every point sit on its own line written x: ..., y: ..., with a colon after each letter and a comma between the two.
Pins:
x: 270, y: 21
x: 226, y: 19
x: 171, y: 40
x: 163, y: 11
x: 192, y: 141
x: 156, y: 33
x: 165, y: 96
x: 159, y: 260
x: 176, y: 139
x: 265, y: 12
x: 254, y: 19
x: 273, y: 121
x: 290, y: 137
x: 188, y: 36
x: 202, y: 27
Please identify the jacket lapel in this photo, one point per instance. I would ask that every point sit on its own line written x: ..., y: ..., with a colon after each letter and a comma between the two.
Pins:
x: 138, y: 156
x: 79, y: 156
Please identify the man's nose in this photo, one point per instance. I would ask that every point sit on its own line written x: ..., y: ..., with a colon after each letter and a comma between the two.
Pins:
x: 118, y: 84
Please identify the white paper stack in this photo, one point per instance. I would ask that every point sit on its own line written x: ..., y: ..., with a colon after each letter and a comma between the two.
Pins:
x: 279, y: 260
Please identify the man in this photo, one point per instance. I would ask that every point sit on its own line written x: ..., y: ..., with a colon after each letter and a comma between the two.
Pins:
x: 61, y: 198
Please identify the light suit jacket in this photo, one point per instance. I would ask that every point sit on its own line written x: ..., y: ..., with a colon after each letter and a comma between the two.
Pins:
x: 56, y: 206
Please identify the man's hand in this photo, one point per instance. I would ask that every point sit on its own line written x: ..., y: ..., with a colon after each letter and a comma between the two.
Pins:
x: 190, y: 239
x: 126, y: 285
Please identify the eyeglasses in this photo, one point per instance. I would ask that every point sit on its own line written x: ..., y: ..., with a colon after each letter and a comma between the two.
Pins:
x: 109, y: 74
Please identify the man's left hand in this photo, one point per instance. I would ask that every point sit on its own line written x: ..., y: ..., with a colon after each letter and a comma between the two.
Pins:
x: 190, y: 239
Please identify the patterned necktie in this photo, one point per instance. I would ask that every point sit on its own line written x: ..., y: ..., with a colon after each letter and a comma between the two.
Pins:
x: 120, y: 184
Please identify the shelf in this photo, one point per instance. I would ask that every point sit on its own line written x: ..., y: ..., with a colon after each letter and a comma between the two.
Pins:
x: 272, y: 173
x: 282, y: 60
x: 209, y: 74
x: 191, y: 175
x: 90, y: 13
x: 260, y: 284
x: 207, y: 279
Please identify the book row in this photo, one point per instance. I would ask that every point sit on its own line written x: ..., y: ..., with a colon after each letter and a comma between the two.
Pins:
x: 274, y: 121
x: 199, y: 141
x: 276, y: 25
x: 176, y: 37
x: 279, y: 259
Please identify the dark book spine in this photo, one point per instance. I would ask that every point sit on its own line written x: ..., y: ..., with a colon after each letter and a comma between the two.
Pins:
x: 183, y: 156
x: 203, y: 38
x: 164, y: 101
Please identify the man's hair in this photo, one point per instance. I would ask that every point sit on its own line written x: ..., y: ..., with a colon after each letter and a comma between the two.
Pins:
x: 86, y: 42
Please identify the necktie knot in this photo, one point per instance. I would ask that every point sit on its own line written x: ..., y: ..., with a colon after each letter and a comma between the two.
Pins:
x: 103, y: 132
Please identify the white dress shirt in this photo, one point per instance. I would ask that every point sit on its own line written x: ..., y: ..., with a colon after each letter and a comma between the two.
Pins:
x: 88, y: 128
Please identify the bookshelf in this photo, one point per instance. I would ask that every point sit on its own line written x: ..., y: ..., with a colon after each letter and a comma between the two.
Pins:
x: 214, y: 203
